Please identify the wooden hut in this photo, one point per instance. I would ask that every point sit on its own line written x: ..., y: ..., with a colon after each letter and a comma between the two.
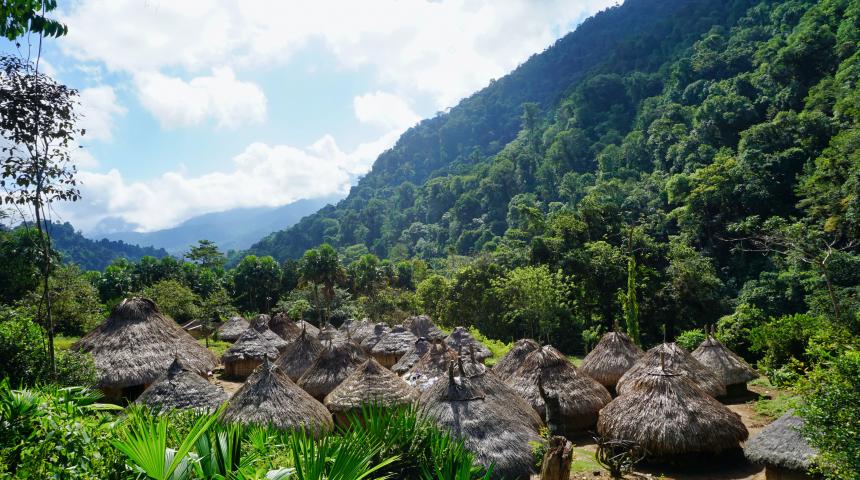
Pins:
x: 180, y: 388
x: 247, y: 353
x: 613, y: 355
x: 512, y: 360
x: 393, y: 345
x: 678, y: 360
x: 330, y: 368
x: 411, y: 357
x: 261, y: 325
x: 284, y: 327
x: 431, y: 367
x: 369, y: 384
x: 379, y: 331
x: 783, y: 450
x: 232, y: 329
x: 729, y: 367
x: 299, y: 355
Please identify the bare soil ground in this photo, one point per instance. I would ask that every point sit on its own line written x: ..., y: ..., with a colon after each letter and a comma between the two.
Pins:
x: 229, y: 385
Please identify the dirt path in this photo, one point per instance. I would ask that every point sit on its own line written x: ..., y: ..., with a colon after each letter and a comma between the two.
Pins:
x: 229, y: 386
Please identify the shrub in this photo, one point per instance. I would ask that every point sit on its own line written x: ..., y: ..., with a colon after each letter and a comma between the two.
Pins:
x: 734, y: 330
x: 783, y: 342
x: 175, y: 300
x: 690, y: 339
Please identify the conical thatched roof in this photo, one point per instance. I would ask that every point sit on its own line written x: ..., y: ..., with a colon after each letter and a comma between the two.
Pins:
x: 676, y: 359
x: 411, y: 357
x: 729, y: 367
x: 370, y: 383
x: 460, y: 339
x: 312, y: 330
x: 358, y: 330
x: 422, y: 326
x: 232, y: 329
x: 330, y: 368
x: 668, y: 415
x: 284, y: 327
x: 328, y: 333
x: 299, y: 355
x: 431, y: 366
x: 136, y: 345
x: 576, y: 398
x: 494, y: 387
x: 514, y: 358
x: 613, y: 355
x: 379, y: 331
x: 252, y: 345
x: 180, y: 388
x: 396, y: 342
x: 782, y: 444
x: 269, y: 397
x: 486, y: 425
x: 261, y: 324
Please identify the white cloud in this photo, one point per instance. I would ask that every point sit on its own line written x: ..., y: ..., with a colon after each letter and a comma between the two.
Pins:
x: 98, y: 108
x: 177, y: 103
x: 384, y: 109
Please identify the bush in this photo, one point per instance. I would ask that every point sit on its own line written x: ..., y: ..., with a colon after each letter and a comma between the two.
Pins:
x: 175, y: 300
x: 734, y: 330
x: 690, y: 339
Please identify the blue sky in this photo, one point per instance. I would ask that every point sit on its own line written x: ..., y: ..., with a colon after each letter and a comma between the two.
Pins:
x: 201, y: 106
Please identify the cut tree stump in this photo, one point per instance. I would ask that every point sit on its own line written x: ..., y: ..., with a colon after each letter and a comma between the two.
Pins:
x: 557, y: 459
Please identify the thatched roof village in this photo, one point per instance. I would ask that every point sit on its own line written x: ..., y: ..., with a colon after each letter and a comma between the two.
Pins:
x: 261, y: 325
x: 232, y: 329
x: 136, y: 345
x: 675, y: 359
x: 369, y: 384
x: 310, y: 328
x: 726, y: 364
x: 514, y: 358
x: 357, y: 330
x: 422, y: 326
x: 782, y: 449
x: 411, y: 357
x: 299, y: 355
x: 431, y: 367
x: 460, y: 339
x: 180, y: 388
x: 243, y: 357
x: 613, y: 355
x: 284, y: 327
x: 270, y: 398
x: 393, y: 345
x: 375, y: 335
x: 330, y: 368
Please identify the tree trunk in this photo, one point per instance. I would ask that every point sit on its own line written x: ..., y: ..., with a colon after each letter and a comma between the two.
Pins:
x: 46, y: 294
x: 837, y: 311
x: 557, y: 459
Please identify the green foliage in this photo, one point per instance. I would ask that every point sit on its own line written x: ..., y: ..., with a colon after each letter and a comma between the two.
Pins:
x: 95, y: 254
x: 175, y: 300
x: 19, y: 263
x: 631, y: 307
x: 75, y: 301
x: 535, y: 303
x: 19, y: 17
x: 256, y: 283
x: 783, y: 343
x: 689, y: 340
x: 497, y: 347
x: 432, y: 294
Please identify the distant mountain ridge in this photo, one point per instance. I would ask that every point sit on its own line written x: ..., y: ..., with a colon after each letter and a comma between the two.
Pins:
x: 90, y: 254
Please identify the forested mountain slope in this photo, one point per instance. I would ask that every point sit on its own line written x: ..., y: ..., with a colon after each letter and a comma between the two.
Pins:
x: 638, y: 36
x: 95, y: 254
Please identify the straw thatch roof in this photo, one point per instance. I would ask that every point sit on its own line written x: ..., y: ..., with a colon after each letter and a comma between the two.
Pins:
x: 137, y: 343
x: 357, y: 330
x: 485, y: 424
x: 261, y: 324
x: 269, y: 397
x: 252, y: 345
x: 180, y: 388
x: 460, y: 339
x: 310, y: 328
x: 782, y: 444
x: 232, y: 329
x: 299, y: 355
x: 393, y: 345
x: 613, y: 355
x: 379, y: 331
x: 330, y: 368
x: 677, y: 359
x: 514, y: 358
x: 668, y: 415
x: 328, y: 333
x: 495, y: 387
x: 284, y: 327
x: 731, y: 368
x: 575, y: 397
x: 431, y: 366
x: 411, y: 357
x: 370, y: 383
x: 422, y: 326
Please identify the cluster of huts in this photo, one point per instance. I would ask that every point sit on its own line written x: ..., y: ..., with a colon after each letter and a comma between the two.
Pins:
x: 666, y: 400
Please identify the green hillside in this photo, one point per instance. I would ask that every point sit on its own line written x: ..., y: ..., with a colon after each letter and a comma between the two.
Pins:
x: 95, y: 254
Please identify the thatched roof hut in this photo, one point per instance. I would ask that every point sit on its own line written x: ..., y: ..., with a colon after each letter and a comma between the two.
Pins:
x: 180, y: 388
x: 244, y: 356
x: 782, y: 449
x: 261, y: 325
x: 460, y: 339
x: 668, y: 415
x: 299, y: 355
x: 284, y: 327
x: 393, y: 345
x: 357, y: 330
x: 613, y: 355
x: 329, y: 334
x: 676, y: 359
x: 431, y: 366
x: 486, y: 425
x: 369, y: 384
x: 330, y: 368
x: 422, y: 326
x: 514, y: 358
x: 310, y: 328
x: 379, y: 331
x: 232, y: 329
x: 546, y: 375
x: 136, y: 345
x: 269, y: 397
x: 411, y: 357
x: 729, y: 367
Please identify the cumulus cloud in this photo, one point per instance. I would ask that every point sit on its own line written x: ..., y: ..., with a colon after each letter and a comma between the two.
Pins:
x: 384, y: 109
x: 177, y: 103
x: 98, y: 109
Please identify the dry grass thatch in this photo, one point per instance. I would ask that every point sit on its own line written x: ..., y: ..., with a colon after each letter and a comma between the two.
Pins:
x: 180, y: 388
x: 411, y: 357
x: 547, y: 376
x: 299, y: 355
x: 431, y: 366
x: 731, y: 368
x: 379, y: 331
x: 613, y: 355
x: 261, y: 325
x: 676, y: 359
x: 357, y: 330
x: 269, y: 397
x: 495, y: 387
x: 243, y: 357
x: 284, y: 327
x: 781, y: 444
x: 310, y: 328
x: 514, y: 358
x: 460, y: 339
x: 668, y: 415
x: 393, y: 345
x: 422, y: 326
x: 486, y: 425
x: 370, y: 383
x: 232, y: 329
x: 136, y: 345
x: 330, y: 368
x: 328, y: 333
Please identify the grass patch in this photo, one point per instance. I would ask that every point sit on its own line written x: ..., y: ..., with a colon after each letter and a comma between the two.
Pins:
x: 780, y: 401
x: 584, y: 461
x: 497, y: 347
x: 217, y: 347
x: 576, y: 361
x: 62, y: 342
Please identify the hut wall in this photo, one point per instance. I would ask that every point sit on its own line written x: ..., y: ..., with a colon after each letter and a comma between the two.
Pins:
x: 773, y: 472
x: 387, y: 360
x: 241, y: 368
x: 737, y: 390
x: 122, y: 395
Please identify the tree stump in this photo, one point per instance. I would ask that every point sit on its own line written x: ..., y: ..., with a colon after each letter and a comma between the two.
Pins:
x: 557, y: 459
